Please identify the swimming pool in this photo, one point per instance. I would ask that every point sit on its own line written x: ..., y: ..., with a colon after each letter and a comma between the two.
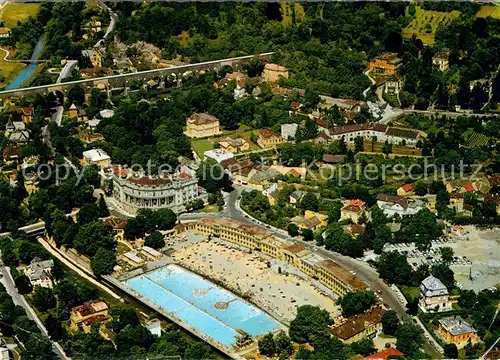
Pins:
x: 213, y: 311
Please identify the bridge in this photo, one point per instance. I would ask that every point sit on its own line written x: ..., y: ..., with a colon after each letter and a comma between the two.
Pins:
x: 31, y: 61
x: 124, y: 80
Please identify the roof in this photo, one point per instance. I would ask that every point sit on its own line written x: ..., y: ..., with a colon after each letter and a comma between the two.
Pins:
x: 151, y: 251
x: 4, y: 30
x: 455, y: 325
x: 148, y: 181
x: 333, y: 159
x: 356, y: 229
x: 403, y: 133
x: 469, y: 187
x: 357, y: 323
x: 390, y: 57
x: 28, y: 111
x: 384, y: 354
x: 407, y: 187
x: 107, y: 113
x: 90, y: 308
x: 394, y: 199
x: 115, y: 223
x: 201, y: 118
x: 354, y: 205
x: 345, y: 129
x: 274, y: 67
x: 345, y: 276
x: 96, y: 155
x: 433, y: 286
x: 266, y: 133
x: 19, y: 136
x: 11, y: 151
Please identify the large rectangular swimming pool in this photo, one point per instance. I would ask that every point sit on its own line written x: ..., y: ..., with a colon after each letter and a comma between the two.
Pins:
x: 211, y: 310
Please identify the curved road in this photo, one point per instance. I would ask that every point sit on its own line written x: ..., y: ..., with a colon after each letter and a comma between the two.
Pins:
x: 362, y: 270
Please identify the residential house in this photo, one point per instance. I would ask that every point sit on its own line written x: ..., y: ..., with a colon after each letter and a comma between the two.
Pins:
x: 84, y: 316
x: 456, y: 330
x: 13, y: 126
x: 11, y: 153
x: 385, y: 354
x: 202, y: 125
x: 82, y: 116
x: 95, y: 56
x: 355, y: 229
x: 218, y: 155
x: 296, y: 196
x: 38, y: 272
x: 240, y: 80
x: 268, y: 139
x: 118, y: 225
x: 311, y: 220
x: 238, y: 169
x: 73, y: 111
x: 322, y: 139
x: 393, y: 135
x: 234, y: 145
x: 385, y: 64
x: 392, y: 205
x: 4, y: 32
x: 354, y: 210
x: 358, y: 327
x: 394, y: 84
x: 288, y: 131
x: 4, y: 351
x: 295, y: 171
x: 442, y: 60
x: 20, y: 138
x: 272, y: 192
x: 26, y: 114
x: 405, y: 190
x: 153, y: 326
x: 333, y: 159
x: 434, y: 296
x: 96, y: 157
x: 272, y: 72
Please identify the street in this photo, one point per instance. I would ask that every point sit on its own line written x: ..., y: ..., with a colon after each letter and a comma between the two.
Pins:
x: 19, y: 300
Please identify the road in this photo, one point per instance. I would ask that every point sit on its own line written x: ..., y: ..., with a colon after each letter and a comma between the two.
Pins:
x: 452, y: 114
x: 362, y: 270
x: 19, y: 299
x: 66, y: 70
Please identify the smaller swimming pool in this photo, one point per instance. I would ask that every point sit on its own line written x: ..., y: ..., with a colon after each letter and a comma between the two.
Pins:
x: 211, y: 310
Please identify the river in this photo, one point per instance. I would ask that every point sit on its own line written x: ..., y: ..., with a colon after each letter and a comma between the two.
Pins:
x: 29, y: 69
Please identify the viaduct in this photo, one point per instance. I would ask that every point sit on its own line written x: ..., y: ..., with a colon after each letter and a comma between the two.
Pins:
x: 123, y: 81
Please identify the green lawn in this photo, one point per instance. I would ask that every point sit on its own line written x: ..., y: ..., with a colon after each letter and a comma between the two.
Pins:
x: 410, y: 293
x: 11, y: 13
x: 489, y: 10
x: 201, y: 145
x: 426, y: 22
x: 8, y: 70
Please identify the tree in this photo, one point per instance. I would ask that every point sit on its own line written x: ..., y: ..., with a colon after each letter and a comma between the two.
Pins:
x: 363, y: 347
x: 165, y: 219
x: 132, y: 336
x: 393, y: 267
x: 123, y: 317
x: 88, y: 213
x: 307, y: 234
x: 409, y: 338
x: 420, y: 188
x: 292, y: 229
x: 387, y: 148
x: 76, y: 95
x: 445, y: 274
x: 103, y: 208
x: 103, y: 262
x: 309, y: 202
x: 446, y: 254
x: 309, y: 322
x: 283, y: 344
x: 23, y: 284
x: 212, y: 177
x: 390, y: 322
x: 302, y: 353
x: 93, y: 236
x: 155, y: 240
x: 54, y: 328
x: 198, y: 350
x: 267, y: 346
x: 43, y: 299
x: 359, y: 144
x: 450, y: 351
x: 354, y: 303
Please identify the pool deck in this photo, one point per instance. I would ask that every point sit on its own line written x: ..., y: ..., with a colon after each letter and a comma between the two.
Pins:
x: 232, y: 353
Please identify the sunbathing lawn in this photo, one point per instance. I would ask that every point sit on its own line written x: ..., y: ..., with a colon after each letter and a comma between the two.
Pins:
x: 422, y: 18
x: 489, y: 10
x: 398, y: 150
x: 11, y: 13
x: 202, y: 145
x: 410, y: 292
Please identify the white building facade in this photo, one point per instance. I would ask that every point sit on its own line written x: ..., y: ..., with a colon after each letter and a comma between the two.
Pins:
x: 434, y: 295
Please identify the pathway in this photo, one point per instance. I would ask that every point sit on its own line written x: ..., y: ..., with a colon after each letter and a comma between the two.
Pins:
x: 367, y: 73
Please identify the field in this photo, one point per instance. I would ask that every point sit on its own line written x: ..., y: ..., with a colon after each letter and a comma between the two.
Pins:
x: 202, y: 145
x: 489, y: 10
x: 287, y: 9
x: 398, y: 150
x: 11, y: 13
x: 8, y: 70
x: 426, y: 23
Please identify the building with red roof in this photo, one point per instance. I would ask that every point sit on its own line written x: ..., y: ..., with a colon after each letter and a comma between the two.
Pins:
x: 384, y: 354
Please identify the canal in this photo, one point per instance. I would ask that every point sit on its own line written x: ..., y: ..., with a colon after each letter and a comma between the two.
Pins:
x: 29, y: 69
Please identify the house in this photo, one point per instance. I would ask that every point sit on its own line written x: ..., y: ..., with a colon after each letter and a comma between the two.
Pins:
x: 355, y: 229
x: 118, y: 225
x: 385, y: 354
x: 392, y: 205
x: 268, y: 139
x: 234, y: 145
x: 38, y: 272
x: 82, y: 116
x: 353, y: 210
x: 333, y: 159
x: 311, y: 220
x: 434, y: 295
x: 84, y: 316
x: 154, y: 327
x: 96, y: 157
x: 272, y: 72
x: 202, y: 125
x: 296, y: 196
x: 469, y: 187
x: 288, y: 131
x: 405, y: 190
x: 385, y: 64
x: 19, y: 137
x: 442, y: 60
x: 456, y: 330
x: 218, y: 155
x: 107, y: 113
x: 322, y: 139
x: 150, y: 253
x: 394, y: 84
x: 240, y: 80
x: 360, y: 326
x: 95, y: 56
x: 11, y: 153
x: 4, y: 32
x: 26, y: 114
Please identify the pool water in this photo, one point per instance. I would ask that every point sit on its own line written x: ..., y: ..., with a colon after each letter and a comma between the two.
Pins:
x: 213, y: 311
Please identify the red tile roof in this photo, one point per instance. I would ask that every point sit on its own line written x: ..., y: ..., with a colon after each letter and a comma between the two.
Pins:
x: 266, y: 133
x: 384, y: 354
x: 407, y: 187
x: 469, y: 187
